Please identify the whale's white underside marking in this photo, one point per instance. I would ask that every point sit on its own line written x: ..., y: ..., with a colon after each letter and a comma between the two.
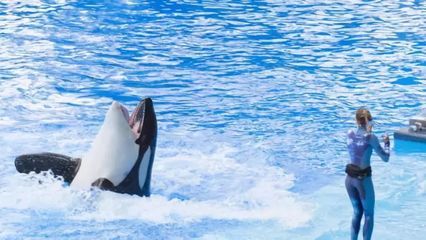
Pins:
x: 113, y: 152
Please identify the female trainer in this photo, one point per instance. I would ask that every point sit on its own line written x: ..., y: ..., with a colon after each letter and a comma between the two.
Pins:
x: 359, y: 185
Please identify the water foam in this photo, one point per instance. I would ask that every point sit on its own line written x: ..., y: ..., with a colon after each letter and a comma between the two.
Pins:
x: 189, y: 185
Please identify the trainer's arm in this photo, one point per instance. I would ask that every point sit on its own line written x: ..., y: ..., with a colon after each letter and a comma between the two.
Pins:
x: 384, y: 153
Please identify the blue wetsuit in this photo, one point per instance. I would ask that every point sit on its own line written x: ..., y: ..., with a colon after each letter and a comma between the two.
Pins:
x: 361, y: 190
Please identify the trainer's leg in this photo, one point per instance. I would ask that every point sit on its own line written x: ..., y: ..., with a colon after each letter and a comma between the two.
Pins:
x: 60, y: 165
x: 355, y: 198
x: 368, y: 204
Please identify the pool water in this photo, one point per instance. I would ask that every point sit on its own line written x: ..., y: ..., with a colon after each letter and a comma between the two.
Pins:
x: 253, y: 100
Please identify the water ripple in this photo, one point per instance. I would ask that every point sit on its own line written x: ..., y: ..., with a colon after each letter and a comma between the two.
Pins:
x: 287, y: 76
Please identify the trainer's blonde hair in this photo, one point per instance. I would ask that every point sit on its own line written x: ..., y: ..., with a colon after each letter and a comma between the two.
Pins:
x: 362, y: 115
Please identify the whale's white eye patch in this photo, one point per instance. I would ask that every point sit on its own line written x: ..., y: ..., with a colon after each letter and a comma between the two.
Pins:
x: 143, y: 168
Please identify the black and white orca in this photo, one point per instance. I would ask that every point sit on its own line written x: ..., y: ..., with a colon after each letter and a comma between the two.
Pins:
x: 120, y: 158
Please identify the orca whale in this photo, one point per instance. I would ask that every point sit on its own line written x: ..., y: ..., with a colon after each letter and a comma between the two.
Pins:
x: 120, y: 158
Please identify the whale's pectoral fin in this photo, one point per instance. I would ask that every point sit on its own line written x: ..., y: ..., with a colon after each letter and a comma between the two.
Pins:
x: 59, y: 164
x: 103, y: 184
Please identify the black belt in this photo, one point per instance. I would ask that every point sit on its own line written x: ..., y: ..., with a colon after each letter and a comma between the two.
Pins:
x: 356, y: 172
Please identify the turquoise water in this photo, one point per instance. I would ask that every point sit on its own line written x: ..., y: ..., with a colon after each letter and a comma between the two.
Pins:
x: 253, y: 100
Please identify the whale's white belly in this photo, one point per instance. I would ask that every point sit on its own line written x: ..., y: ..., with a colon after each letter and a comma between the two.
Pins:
x: 113, y: 152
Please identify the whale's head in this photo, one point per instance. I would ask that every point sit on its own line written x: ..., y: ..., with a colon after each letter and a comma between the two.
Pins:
x: 122, y: 143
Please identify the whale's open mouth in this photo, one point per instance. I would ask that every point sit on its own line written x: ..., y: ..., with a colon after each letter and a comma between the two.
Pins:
x: 135, y: 120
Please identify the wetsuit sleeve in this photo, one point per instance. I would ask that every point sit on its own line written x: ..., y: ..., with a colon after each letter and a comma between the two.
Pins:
x: 384, y: 153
